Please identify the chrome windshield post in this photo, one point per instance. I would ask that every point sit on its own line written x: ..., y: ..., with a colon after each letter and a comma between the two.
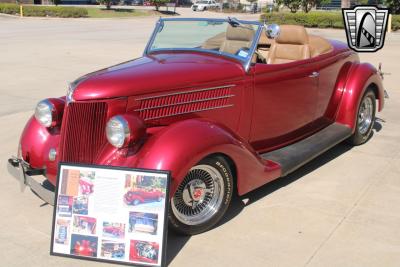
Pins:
x: 253, y: 47
x: 159, y: 24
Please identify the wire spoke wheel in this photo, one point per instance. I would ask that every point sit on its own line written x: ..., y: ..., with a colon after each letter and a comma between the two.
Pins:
x: 365, y: 115
x: 199, y: 196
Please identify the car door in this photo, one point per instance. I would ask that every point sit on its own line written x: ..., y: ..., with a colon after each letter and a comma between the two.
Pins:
x: 284, y: 105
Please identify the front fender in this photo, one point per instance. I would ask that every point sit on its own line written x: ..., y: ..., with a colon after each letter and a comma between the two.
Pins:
x: 360, y: 77
x: 180, y: 146
x: 36, y: 142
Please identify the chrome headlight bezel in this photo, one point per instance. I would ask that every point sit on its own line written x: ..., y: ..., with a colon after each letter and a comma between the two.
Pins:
x: 45, y: 113
x: 118, y: 132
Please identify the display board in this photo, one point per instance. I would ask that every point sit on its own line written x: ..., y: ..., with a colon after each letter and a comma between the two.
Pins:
x: 111, y: 214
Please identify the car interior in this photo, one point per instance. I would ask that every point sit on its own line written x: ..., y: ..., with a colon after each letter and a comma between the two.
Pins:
x: 292, y: 44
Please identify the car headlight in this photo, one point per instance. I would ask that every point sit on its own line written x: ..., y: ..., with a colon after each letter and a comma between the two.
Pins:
x: 44, y: 113
x: 117, y: 131
x: 123, y: 130
x: 49, y: 112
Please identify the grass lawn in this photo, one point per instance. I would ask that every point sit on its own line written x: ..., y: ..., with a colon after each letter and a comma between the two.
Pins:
x: 116, y: 13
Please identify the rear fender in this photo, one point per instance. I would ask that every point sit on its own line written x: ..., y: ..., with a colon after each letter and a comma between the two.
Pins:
x: 180, y: 146
x: 359, y: 78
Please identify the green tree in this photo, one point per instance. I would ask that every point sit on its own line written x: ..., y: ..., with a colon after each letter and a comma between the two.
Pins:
x: 394, y: 6
x: 307, y: 5
x: 158, y: 3
x: 293, y: 5
x: 107, y: 3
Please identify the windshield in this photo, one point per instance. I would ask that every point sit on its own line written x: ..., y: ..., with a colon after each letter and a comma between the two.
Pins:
x: 206, y: 35
x: 202, y: 2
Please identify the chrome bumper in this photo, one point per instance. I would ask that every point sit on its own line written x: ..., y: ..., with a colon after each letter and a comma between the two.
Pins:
x: 21, y: 170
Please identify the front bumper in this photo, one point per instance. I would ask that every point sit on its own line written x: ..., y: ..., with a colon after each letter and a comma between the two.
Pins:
x: 32, y: 178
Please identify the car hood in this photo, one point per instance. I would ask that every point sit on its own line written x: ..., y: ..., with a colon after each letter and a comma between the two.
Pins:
x: 156, y: 73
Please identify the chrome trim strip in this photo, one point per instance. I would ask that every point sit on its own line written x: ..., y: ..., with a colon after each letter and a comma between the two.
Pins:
x: 186, y: 92
x: 253, y: 47
x: 212, y: 19
x: 186, y: 102
x: 152, y: 37
x: 187, y: 112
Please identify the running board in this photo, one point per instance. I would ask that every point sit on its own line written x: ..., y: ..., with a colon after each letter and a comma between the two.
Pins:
x: 296, y: 155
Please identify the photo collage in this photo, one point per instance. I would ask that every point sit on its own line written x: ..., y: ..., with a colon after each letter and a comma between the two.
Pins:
x: 110, y: 214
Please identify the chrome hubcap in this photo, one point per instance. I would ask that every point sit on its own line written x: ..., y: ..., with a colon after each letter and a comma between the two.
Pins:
x: 199, y: 196
x: 365, y: 115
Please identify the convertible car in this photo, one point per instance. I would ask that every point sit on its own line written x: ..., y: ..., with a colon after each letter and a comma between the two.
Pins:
x: 225, y: 105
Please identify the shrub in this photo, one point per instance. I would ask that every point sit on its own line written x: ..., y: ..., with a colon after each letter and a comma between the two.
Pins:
x: 311, y: 19
x: 315, y: 19
x: 395, y: 22
x: 11, y: 9
x: 45, y: 11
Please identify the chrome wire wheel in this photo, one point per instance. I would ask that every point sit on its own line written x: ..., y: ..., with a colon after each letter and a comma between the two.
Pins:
x: 365, y: 115
x: 199, y: 196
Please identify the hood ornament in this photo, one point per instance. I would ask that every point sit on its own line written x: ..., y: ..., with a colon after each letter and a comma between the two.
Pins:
x: 70, y: 93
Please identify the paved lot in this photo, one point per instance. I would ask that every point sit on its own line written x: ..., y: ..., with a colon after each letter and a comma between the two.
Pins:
x: 342, y: 209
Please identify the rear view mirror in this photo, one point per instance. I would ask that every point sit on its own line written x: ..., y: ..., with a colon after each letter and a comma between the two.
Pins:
x: 272, y: 31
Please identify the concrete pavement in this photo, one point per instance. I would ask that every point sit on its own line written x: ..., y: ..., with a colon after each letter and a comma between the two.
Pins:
x: 342, y: 209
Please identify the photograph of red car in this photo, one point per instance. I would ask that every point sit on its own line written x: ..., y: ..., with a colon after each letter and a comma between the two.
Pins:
x: 84, y: 225
x: 112, y: 249
x: 143, y: 251
x: 86, y: 182
x: 113, y: 230
x: 82, y: 245
x: 140, y: 222
x: 143, y: 189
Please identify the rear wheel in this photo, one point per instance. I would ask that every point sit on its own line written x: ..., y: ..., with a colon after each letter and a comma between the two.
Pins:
x: 202, y: 198
x: 365, y: 119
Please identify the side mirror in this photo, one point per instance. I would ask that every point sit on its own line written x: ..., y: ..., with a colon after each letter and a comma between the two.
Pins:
x: 272, y: 31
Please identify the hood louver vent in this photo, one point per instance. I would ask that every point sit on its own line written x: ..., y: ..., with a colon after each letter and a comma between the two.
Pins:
x: 167, y: 105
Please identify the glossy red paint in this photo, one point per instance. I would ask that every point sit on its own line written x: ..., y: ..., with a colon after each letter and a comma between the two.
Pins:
x: 359, y: 78
x: 266, y: 108
x: 152, y: 74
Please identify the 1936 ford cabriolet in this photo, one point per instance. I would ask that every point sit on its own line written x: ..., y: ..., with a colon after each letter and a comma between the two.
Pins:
x: 224, y: 105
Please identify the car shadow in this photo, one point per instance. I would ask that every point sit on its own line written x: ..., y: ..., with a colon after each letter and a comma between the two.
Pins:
x: 175, y: 244
x: 240, y: 202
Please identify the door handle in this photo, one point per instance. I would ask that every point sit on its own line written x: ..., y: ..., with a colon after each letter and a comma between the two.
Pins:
x: 315, y: 74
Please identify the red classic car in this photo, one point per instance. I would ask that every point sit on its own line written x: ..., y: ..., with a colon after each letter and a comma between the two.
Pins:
x: 139, y: 195
x: 84, y: 248
x: 225, y: 105
x: 116, y: 231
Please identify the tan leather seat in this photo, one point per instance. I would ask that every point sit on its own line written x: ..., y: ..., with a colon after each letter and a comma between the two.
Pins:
x: 236, y: 38
x: 214, y: 43
x: 292, y: 44
x: 264, y: 45
x: 318, y: 45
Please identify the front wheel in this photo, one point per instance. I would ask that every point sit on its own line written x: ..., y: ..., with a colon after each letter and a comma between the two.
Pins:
x: 202, y: 198
x: 365, y: 119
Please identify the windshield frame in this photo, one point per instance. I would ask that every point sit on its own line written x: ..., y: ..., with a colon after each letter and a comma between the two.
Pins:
x: 245, y: 62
